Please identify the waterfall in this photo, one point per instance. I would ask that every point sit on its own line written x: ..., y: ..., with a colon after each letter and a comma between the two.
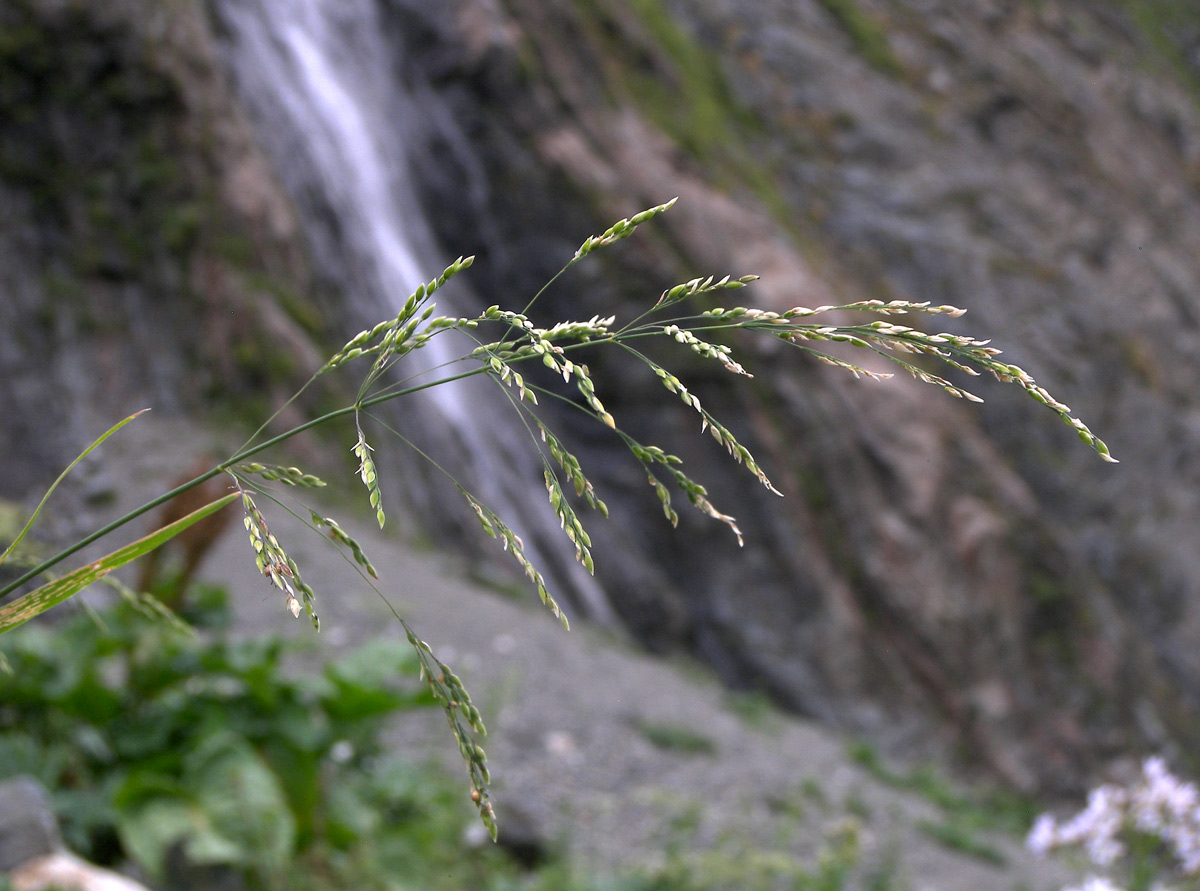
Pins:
x: 322, y: 84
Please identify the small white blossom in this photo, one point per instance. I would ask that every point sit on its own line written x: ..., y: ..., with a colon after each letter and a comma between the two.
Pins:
x: 1043, y: 837
x: 1159, y: 805
x: 1095, y: 883
x: 1097, y: 826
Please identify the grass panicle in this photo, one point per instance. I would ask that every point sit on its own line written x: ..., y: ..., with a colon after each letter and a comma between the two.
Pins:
x: 664, y: 497
x: 359, y: 345
x: 339, y: 537
x: 618, y: 230
x: 699, y: 286
x: 395, y: 334
x: 515, y: 379
x: 416, y: 333
x: 540, y: 342
x: 595, y: 328
x: 697, y: 495
x: 710, y: 424
x: 496, y: 528
x: 891, y: 341
x: 369, y: 475
x: 465, y: 724
x: 275, y: 564
x: 574, y: 472
x: 568, y: 521
x: 719, y: 352
x: 287, y: 476
x: 513, y: 361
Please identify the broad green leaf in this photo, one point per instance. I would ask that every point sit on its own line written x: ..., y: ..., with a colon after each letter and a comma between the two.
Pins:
x: 349, y: 816
x: 53, y: 593
x: 149, y: 830
x: 227, y: 808
x: 243, y: 802
x: 370, y: 681
x: 111, y: 430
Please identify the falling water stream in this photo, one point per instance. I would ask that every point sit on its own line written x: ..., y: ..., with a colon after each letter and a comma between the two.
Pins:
x: 322, y: 84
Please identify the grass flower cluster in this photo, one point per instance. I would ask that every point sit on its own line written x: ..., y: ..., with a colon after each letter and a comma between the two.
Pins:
x: 274, y: 563
x: 511, y: 349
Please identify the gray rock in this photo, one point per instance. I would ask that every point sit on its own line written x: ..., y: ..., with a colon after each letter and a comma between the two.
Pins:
x: 63, y: 871
x: 27, y: 825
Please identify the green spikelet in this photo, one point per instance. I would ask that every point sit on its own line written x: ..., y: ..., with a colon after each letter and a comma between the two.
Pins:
x: 370, y: 477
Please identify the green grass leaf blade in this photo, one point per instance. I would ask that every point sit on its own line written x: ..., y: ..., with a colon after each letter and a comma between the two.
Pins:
x: 111, y: 430
x: 53, y: 593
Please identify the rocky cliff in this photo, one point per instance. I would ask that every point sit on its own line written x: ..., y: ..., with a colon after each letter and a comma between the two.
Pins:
x: 967, y: 576
x: 148, y: 258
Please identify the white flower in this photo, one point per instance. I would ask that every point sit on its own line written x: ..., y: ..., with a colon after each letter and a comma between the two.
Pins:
x: 1159, y: 804
x: 1096, y: 827
x: 1162, y: 799
x: 1095, y: 883
x: 1043, y: 837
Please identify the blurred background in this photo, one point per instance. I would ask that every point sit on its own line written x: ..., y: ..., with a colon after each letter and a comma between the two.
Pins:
x: 201, y: 200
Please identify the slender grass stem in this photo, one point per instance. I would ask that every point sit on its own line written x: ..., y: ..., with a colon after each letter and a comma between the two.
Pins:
x: 239, y: 456
x: 534, y: 299
x: 263, y: 426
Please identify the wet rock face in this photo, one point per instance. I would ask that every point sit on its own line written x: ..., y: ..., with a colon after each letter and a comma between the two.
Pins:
x: 139, y: 224
x: 936, y: 573
x: 973, y: 569
x: 66, y: 156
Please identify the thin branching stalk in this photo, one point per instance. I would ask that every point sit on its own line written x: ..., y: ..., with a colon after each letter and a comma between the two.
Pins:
x: 242, y: 455
x: 512, y: 360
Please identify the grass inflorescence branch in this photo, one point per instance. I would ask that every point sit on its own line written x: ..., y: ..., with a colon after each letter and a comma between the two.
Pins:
x: 275, y: 564
x: 512, y: 359
x: 892, y: 342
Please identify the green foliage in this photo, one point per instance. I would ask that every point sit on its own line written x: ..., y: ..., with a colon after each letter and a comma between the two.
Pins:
x: 1171, y: 28
x: 673, y: 79
x: 958, y: 837
x: 24, y: 530
x: 741, y: 867
x: 149, y: 738
x: 155, y: 742
x: 755, y: 708
x: 987, y: 810
x: 53, y: 593
x: 677, y: 738
x: 670, y: 77
x: 963, y: 817
x: 867, y: 35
